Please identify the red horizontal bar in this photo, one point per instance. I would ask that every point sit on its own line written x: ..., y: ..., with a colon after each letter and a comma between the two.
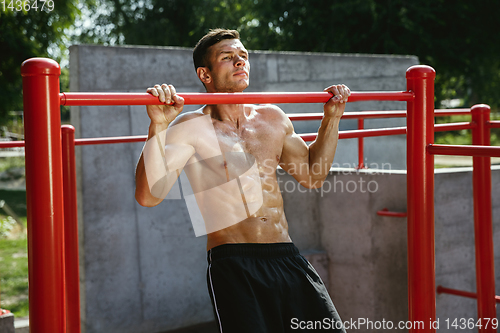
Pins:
x: 452, y: 112
x: 349, y: 115
x: 493, y: 124
x: 404, y: 96
x: 387, y: 212
x: 142, y: 138
x: 109, y: 140
x: 364, y: 133
x: 86, y: 98
x: 11, y: 144
x: 371, y: 132
x: 443, y: 290
x: 374, y: 114
x: 453, y: 126
x: 464, y: 150
x: 308, y: 137
x: 305, y: 116
x: 379, y: 114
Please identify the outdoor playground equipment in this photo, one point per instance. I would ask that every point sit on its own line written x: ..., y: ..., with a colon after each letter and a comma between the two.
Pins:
x: 51, y: 185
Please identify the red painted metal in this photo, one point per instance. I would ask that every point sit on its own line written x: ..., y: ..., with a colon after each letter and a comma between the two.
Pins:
x: 72, y: 269
x: 387, y: 212
x: 443, y: 290
x: 463, y: 150
x: 12, y: 144
x: 493, y: 124
x: 483, y: 225
x: 420, y: 197
x: 451, y: 112
x: 308, y: 137
x: 453, y: 127
x: 110, y: 140
x: 82, y: 98
x: 305, y: 116
x: 361, y: 154
x: 379, y: 114
x: 43, y: 74
x: 349, y: 115
x: 365, y: 133
x: 44, y: 195
x: 351, y: 134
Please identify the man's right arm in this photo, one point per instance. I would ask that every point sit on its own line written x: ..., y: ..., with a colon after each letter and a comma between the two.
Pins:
x: 152, y: 161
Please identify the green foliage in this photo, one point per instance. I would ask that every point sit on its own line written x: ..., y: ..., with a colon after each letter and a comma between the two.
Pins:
x: 161, y: 22
x: 455, y: 37
x: 26, y: 34
x: 451, y: 36
x: 6, y: 226
x: 16, y: 199
x: 7, y: 163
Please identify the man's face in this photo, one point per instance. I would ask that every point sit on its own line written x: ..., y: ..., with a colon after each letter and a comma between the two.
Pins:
x: 230, y: 68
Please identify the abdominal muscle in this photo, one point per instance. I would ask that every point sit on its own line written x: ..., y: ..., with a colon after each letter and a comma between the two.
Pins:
x: 267, y: 225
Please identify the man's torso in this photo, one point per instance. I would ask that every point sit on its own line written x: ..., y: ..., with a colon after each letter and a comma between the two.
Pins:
x: 251, y: 152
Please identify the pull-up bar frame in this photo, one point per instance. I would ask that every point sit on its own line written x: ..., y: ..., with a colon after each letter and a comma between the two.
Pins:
x: 81, y: 98
x: 44, y: 184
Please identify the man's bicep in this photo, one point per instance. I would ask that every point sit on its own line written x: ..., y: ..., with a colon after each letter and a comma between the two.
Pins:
x: 295, y: 156
x: 163, y: 165
x: 177, y: 155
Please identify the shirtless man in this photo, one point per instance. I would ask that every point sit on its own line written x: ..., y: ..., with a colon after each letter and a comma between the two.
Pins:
x: 257, y: 280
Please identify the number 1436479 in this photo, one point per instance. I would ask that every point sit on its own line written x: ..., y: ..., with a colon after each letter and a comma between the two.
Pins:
x: 27, y: 5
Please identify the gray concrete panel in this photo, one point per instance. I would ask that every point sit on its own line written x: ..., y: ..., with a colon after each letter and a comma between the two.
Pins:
x: 143, y: 269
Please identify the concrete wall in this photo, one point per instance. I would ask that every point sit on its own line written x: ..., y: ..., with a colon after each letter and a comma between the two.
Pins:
x: 142, y: 269
x: 367, y: 253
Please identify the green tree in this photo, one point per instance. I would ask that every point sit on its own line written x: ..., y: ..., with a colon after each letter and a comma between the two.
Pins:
x: 456, y: 37
x: 25, y: 34
x: 161, y: 22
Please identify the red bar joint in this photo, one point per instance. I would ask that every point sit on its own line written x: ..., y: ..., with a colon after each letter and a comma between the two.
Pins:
x: 387, y: 212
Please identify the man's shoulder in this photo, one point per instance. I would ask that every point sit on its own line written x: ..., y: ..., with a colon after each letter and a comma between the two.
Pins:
x: 190, y: 115
x: 271, y: 110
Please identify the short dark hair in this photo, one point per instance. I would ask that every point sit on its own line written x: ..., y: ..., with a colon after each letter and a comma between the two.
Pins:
x: 200, y: 56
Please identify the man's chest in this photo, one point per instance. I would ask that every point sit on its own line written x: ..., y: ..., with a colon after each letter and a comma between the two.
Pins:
x: 240, y: 148
x: 258, y: 139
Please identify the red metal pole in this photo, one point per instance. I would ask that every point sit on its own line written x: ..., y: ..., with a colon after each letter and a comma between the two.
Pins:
x: 72, y: 270
x: 42, y: 128
x: 88, y: 98
x: 361, y: 154
x: 483, y: 227
x: 464, y: 150
x: 420, y: 197
x: 441, y: 289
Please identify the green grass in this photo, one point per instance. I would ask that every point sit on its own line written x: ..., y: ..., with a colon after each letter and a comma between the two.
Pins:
x: 13, y: 256
x: 14, y: 276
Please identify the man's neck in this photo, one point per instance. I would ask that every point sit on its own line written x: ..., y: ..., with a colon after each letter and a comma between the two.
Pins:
x: 229, y: 113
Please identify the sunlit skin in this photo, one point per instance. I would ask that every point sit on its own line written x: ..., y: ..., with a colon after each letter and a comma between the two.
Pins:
x: 264, y: 131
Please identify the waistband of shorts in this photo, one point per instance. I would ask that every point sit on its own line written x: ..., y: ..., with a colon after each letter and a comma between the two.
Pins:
x: 253, y: 250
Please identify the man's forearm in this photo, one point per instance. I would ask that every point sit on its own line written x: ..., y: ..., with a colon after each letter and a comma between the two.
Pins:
x: 322, y: 150
x: 143, y: 193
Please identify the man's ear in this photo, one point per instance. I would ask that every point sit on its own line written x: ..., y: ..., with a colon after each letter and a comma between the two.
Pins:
x: 204, y: 75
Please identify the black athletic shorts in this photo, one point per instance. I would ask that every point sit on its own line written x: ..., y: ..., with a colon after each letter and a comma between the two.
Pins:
x: 268, y: 288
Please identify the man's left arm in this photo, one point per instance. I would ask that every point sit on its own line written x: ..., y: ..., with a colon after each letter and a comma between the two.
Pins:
x: 310, y: 165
